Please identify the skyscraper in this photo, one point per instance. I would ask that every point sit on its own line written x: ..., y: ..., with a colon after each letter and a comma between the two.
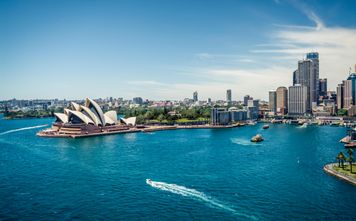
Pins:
x: 340, y: 96
x: 323, y: 87
x: 295, y: 77
x: 347, y: 93
x: 308, y: 75
x: 272, y: 101
x: 282, y: 100
x: 314, y: 76
x: 195, y: 96
x: 297, y: 100
x: 246, y: 98
x: 228, y: 96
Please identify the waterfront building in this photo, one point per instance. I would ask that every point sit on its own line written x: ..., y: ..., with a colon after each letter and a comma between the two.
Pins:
x: 246, y: 99
x: 87, y: 120
x: 252, y: 109
x: 195, y: 96
x: 297, y: 100
x: 228, y: 96
x: 237, y: 114
x: 220, y: 116
x: 340, y: 96
x: 282, y: 100
x: 323, y: 87
x: 272, y: 101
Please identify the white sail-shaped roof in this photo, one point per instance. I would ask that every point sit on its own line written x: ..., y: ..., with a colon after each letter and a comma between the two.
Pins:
x: 129, y: 121
x: 91, y: 115
x: 108, y: 120
x: 61, y: 117
x: 81, y: 116
x: 97, y: 110
x: 66, y: 111
x: 75, y: 106
x: 112, y: 115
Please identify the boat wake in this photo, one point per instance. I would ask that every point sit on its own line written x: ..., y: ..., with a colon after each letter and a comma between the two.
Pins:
x: 192, y: 193
x: 24, y: 128
x: 243, y: 142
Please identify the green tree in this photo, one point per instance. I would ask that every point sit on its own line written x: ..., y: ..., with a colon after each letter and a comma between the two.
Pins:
x: 342, y: 112
x: 350, y: 159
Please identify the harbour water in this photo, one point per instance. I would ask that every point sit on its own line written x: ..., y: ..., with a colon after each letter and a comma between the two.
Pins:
x: 205, y: 174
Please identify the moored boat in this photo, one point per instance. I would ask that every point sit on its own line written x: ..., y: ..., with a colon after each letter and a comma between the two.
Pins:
x: 266, y: 126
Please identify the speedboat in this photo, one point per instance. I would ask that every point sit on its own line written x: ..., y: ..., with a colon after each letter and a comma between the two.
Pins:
x: 266, y: 126
x: 148, y: 181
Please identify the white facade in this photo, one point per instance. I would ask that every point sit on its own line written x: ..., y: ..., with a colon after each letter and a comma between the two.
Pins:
x: 298, y: 101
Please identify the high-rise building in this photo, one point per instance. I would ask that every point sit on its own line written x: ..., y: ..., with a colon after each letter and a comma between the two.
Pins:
x: 195, y: 96
x: 340, y: 96
x: 295, y: 77
x: 246, y: 98
x: 137, y: 100
x: 314, y: 77
x: 297, y: 100
x: 282, y: 100
x: 323, y: 87
x: 272, y: 101
x: 228, y: 96
x: 352, y: 78
x: 347, y: 93
x: 308, y: 75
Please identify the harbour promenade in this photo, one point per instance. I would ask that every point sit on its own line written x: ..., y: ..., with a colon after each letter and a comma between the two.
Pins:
x: 329, y: 168
x: 50, y: 133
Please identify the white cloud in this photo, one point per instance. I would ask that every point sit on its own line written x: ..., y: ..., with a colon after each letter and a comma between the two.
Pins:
x: 269, y: 65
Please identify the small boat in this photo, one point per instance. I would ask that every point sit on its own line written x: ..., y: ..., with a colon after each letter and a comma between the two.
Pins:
x: 257, y: 138
x: 252, y: 123
x: 148, y: 181
x: 266, y: 126
x: 304, y: 125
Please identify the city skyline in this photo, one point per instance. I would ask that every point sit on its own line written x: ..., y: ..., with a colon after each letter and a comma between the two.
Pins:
x: 167, y: 51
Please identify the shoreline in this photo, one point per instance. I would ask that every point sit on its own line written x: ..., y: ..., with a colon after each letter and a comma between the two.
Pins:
x: 148, y: 129
x: 328, y: 168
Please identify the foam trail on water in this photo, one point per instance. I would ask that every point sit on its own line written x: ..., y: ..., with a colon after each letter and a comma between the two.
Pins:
x: 184, y: 191
x: 24, y: 128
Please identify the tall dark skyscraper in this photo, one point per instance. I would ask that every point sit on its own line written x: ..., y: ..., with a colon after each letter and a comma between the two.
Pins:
x: 295, y: 77
x: 195, y: 96
x: 314, y: 76
x: 323, y: 87
x: 228, y: 96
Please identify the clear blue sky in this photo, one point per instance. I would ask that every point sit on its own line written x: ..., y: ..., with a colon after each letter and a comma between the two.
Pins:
x: 168, y: 49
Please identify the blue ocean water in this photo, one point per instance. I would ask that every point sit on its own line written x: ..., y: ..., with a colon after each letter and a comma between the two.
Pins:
x: 196, y: 174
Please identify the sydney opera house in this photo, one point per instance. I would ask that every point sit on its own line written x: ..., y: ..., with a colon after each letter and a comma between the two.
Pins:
x: 88, y: 120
